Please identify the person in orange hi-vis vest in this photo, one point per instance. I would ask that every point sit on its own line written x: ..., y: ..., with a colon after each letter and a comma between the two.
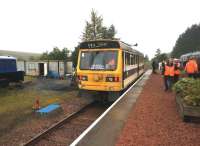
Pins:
x: 177, y: 71
x: 168, y: 75
x: 191, y: 67
x: 171, y: 74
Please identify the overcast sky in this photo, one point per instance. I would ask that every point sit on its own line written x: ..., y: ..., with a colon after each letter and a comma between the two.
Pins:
x: 40, y: 25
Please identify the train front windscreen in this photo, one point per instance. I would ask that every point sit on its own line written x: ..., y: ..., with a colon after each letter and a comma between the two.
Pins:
x: 98, y: 60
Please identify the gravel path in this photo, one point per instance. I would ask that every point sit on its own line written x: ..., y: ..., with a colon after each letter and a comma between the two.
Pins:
x: 154, y: 120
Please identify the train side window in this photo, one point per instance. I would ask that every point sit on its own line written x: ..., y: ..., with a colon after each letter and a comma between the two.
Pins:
x: 127, y: 56
x: 131, y: 59
x: 134, y: 60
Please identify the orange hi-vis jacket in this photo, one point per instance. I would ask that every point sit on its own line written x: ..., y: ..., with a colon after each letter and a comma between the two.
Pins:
x: 166, y: 73
x: 177, y: 71
x: 191, y: 67
x: 169, y: 71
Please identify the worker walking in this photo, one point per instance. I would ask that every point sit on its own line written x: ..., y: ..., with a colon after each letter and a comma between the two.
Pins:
x: 171, y: 74
x: 168, y: 73
x: 191, y: 67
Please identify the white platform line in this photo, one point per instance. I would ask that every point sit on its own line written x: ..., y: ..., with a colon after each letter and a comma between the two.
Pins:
x: 77, y: 140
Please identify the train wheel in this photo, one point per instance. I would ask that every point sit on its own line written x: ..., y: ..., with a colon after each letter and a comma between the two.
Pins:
x: 85, y: 94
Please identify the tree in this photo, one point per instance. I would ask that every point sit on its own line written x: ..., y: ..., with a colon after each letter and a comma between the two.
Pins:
x: 95, y: 30
x: 160, y: 56
x: 75, y: 56
x: 56, y: 54
x: 187, y: 42
x: 44, y: 56
x: 158, y: 52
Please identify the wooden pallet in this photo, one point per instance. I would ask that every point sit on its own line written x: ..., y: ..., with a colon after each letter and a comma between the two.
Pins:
x: 186, y: 112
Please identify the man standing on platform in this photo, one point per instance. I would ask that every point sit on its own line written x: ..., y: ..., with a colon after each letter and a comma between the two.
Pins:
x: 191, y: 67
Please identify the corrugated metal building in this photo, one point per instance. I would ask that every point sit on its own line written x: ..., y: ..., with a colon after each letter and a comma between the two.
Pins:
x: 52, y: 68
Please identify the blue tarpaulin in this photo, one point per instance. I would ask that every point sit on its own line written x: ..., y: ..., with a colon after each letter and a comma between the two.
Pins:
x: 48, y: 109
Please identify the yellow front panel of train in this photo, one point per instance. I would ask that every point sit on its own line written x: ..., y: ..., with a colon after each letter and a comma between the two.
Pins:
x: 99, y: 75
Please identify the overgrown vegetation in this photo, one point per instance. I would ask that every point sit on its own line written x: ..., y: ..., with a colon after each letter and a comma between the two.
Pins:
x: 188, y: 89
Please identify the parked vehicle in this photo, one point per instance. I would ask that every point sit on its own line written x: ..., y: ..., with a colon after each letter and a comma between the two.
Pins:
x: 8, y: 71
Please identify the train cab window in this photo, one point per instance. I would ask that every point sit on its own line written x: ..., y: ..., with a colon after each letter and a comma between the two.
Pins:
x: 98, y: 60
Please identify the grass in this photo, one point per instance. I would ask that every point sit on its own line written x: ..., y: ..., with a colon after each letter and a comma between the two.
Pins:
x: 16, y: 104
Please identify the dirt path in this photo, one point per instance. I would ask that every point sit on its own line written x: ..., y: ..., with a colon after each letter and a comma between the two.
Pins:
x: 155, y: 121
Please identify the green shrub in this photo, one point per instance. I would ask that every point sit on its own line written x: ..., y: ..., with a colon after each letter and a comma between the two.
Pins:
x: 189, y: 90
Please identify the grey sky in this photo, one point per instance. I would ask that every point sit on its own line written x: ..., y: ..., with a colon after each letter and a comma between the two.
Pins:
x: 40, y: 25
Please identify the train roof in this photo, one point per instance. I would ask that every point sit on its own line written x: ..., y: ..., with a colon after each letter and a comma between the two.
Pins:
x: 112, y: 44
x: 7, y: 57
x: 184, y: 57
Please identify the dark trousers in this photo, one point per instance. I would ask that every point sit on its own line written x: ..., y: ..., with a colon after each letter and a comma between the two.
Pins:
x: 168, y: 81
x: 171, y: 81
x: 193, y: 75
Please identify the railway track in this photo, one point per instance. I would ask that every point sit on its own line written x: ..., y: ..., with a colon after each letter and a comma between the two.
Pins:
x: 69, y: 128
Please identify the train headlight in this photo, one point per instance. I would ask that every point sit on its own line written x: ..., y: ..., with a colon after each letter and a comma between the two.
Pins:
x: 112, y: 79
x: 83, y: 78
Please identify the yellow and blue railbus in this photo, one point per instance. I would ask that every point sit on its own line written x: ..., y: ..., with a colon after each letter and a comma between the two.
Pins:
x: 108, y: 66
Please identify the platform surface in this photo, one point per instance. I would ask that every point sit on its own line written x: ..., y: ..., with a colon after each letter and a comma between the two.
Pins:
x: 106, y: 132
x: 155, y: 121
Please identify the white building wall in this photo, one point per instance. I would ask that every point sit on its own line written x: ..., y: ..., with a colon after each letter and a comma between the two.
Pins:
x: 20, y: 66
x: 61, y: 68
x: 32, y: 68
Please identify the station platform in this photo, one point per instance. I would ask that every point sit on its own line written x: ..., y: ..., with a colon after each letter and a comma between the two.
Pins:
x: 109, y: 127
x: 155, y: 121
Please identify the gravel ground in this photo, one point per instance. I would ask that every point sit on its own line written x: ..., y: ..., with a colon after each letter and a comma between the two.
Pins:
x: 154, y: 120
x: 68, y: 132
